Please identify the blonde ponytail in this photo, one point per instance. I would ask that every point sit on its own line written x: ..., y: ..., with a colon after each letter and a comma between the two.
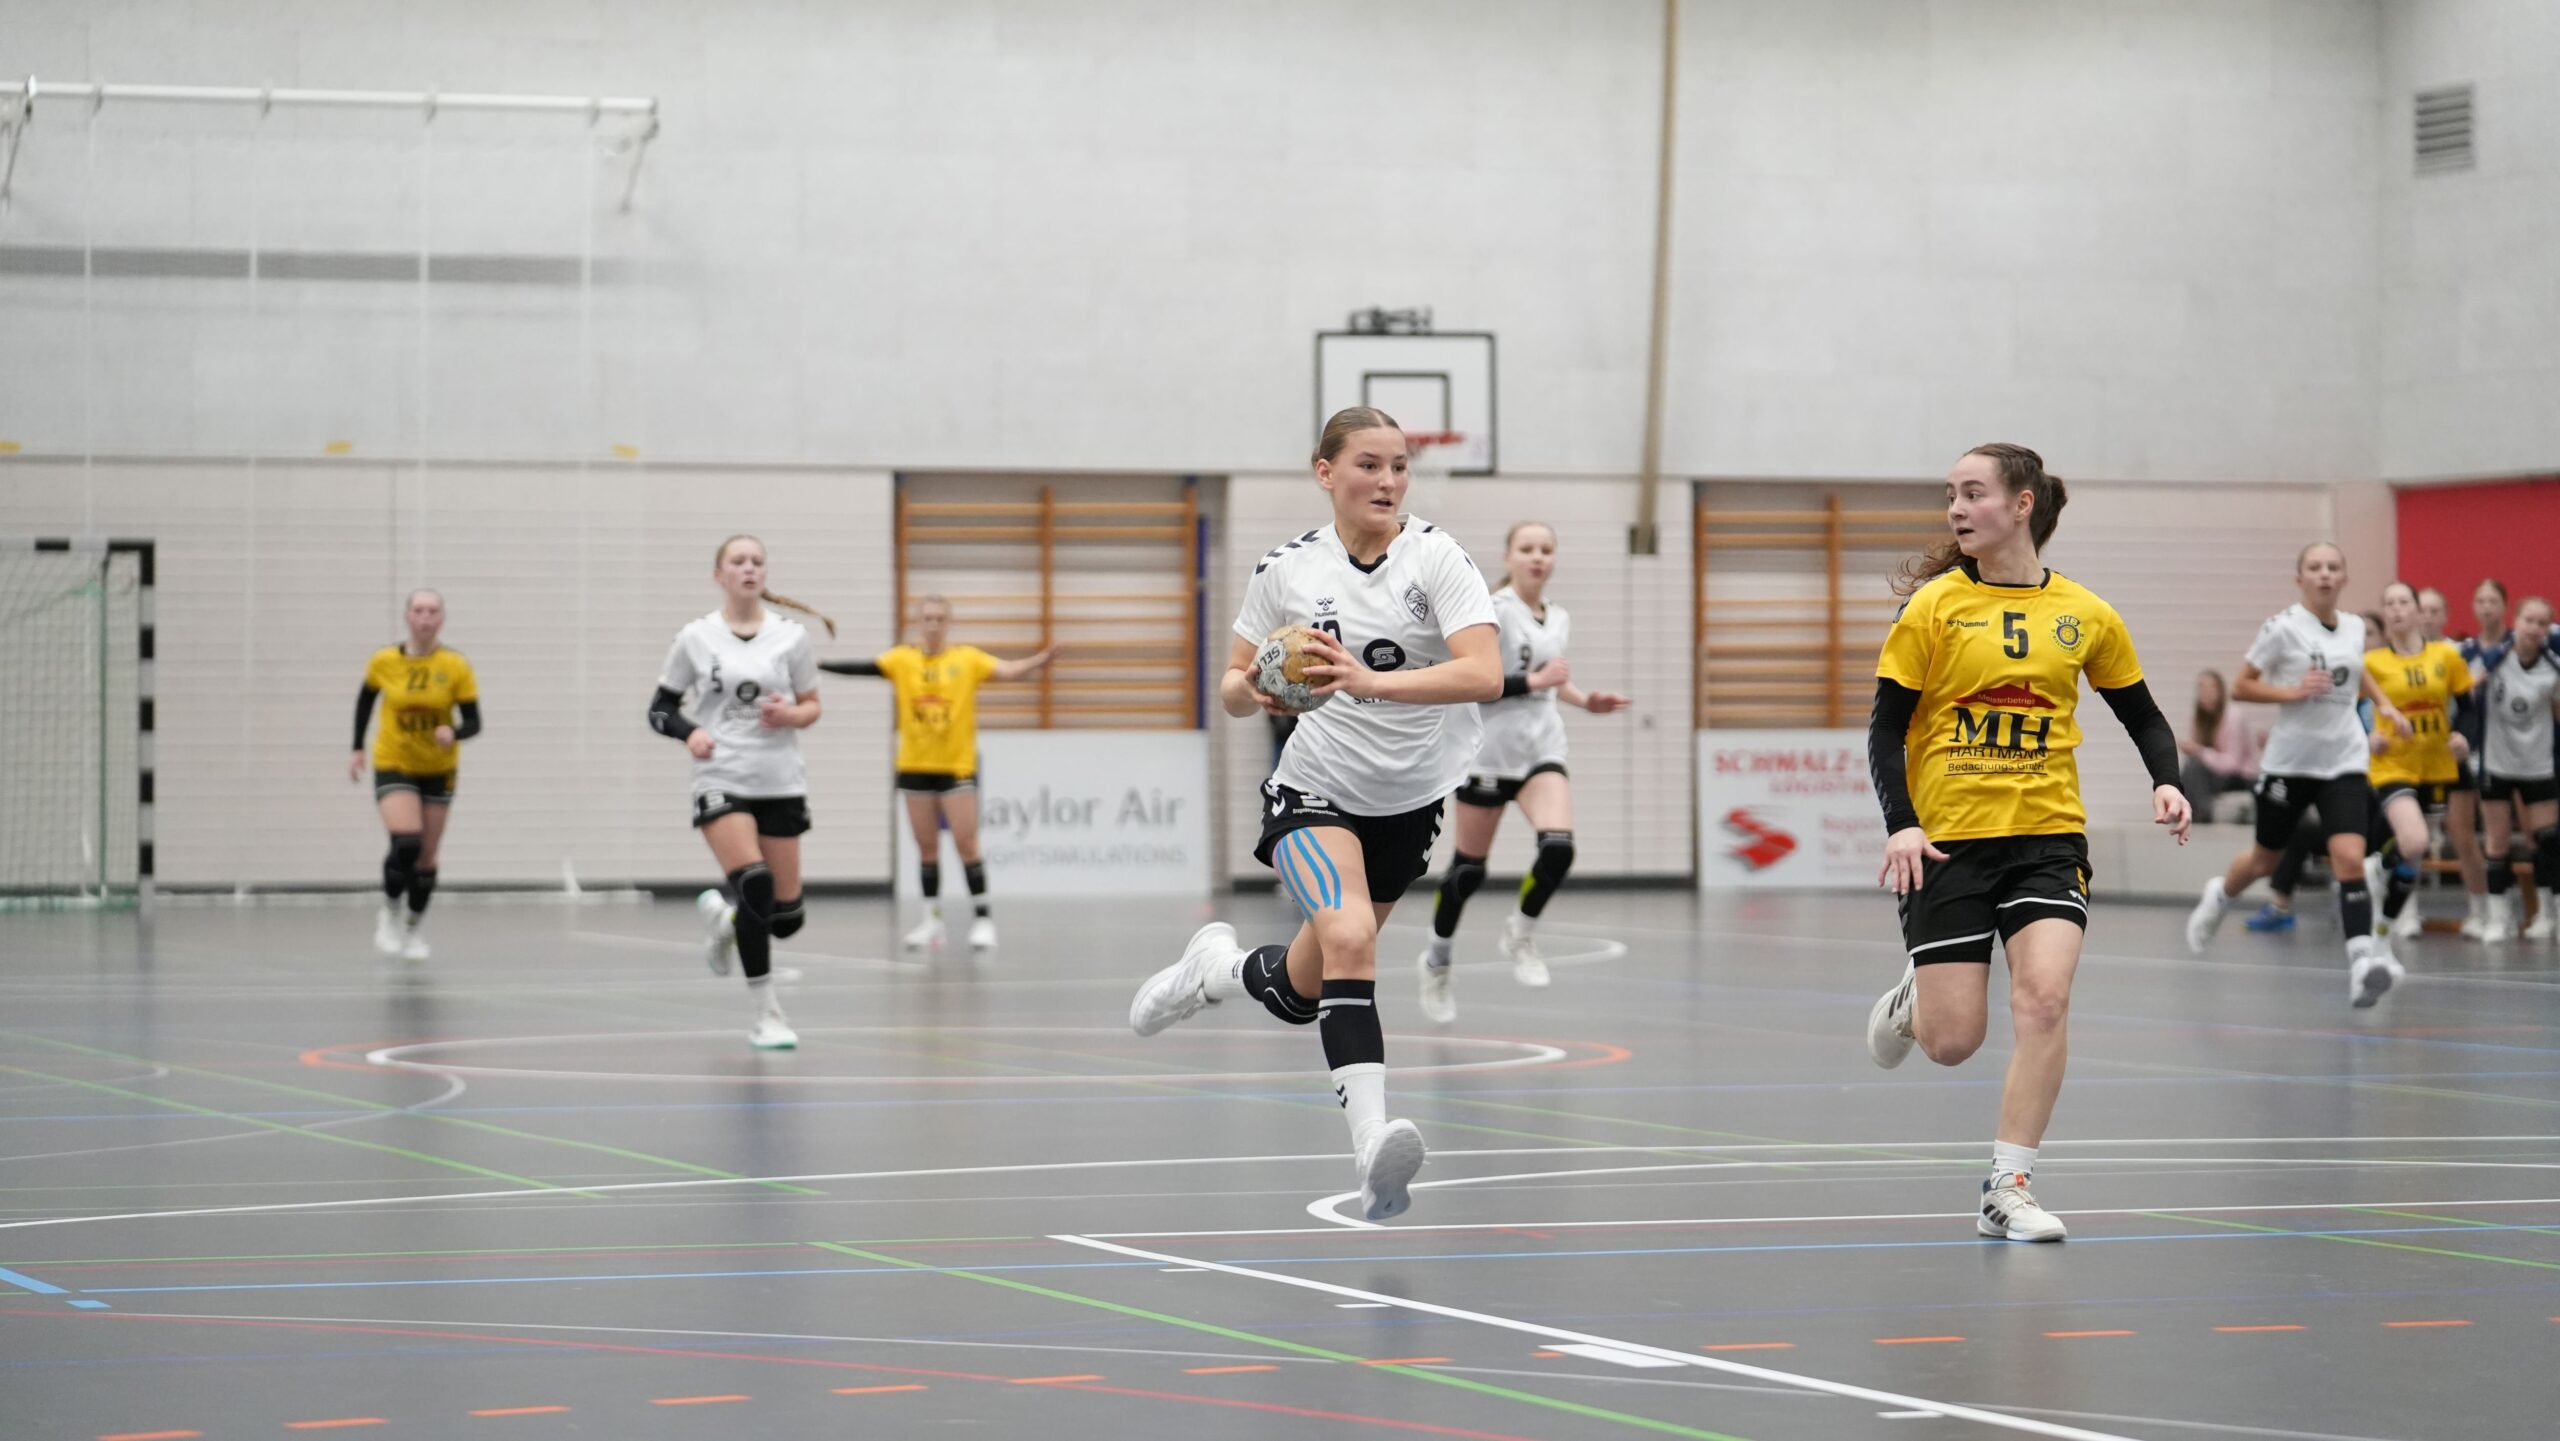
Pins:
x: 787, y: 603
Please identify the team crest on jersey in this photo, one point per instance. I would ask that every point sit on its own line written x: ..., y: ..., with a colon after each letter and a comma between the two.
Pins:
x: 1418, y: 602
x: 2066, y: 632
x: 748, y: 690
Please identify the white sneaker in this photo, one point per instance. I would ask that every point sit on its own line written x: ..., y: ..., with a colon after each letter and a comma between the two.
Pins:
x: 2410, y: 923
x: 2545, y: 924
x: 982, y: 934
x: 413, y: 946
x: 928, y: 935
x: 772, y: 1033
x: 1387, y: 1166
x: 1438, y: 1006
x: 1527, y: 966
x: 2475, y: 920
x: 2206, y: 918
x: 1177, y: 992
x: 2373, y: 879
x: 2009, y: 1210
x: 2501, y: 927
x: 719, y: 930
x: 389, y: 935
x: 2371, y: 974
x: 1889, y: 1021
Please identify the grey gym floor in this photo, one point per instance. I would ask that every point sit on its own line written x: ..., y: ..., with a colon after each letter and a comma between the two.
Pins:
x: 573, y: 1202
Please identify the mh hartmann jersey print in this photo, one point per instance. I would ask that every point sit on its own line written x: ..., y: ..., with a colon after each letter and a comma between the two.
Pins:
x: 1998, y: 671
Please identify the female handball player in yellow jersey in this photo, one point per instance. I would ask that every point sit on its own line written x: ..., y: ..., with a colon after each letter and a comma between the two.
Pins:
x: 433, y: 706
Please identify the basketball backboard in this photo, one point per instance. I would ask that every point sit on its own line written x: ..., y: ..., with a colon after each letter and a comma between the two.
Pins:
x: 1428, y: 382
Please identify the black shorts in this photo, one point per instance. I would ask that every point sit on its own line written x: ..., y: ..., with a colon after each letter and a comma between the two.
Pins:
x: 2431, y: 794
x: 2467, y: 776
x: 2530, y: 791
x: 2344, y: 804
x: 1395, y: 851
x: 1495, y: 792
x: 935, y: 782
x: 433, y: 790
x: 1994, y: 886
x: 779, y: 816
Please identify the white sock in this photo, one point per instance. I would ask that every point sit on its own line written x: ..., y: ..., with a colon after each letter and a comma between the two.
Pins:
x: 1439, y: 951
x: 2475, y: 907
x: 1226, y: 979
x: 1523, y: 923
x: 2214, y: 894
x: 2006, y: 1158
x: 760, y: 995
x: 1363, y: 1089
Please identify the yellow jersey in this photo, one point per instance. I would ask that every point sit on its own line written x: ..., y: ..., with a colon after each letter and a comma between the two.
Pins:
x: 2422, y: 686
x: 418, y: 695
x: 938, y: 706
x: 1998, y: 668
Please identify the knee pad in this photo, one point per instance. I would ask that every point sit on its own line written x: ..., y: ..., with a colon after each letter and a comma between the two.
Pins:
x: 2547, y: 839
x: 1466, y: 873
x: 1266, y: 979
x: 788, y: 918
x: 1555, y: 855
x: 406, y: 847
x: 752, y: 886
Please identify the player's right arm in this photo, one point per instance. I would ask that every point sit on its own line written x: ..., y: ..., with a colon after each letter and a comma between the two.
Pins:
x: 366, y: 695
x: 1902, y: 672
x: 1238, y: 696
x: 666, y: 708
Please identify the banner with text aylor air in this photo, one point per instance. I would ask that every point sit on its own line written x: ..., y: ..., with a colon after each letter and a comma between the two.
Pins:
x: 1786, y: 809
x: 1081, y: 813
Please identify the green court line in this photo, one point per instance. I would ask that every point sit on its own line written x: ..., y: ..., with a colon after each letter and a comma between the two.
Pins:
x: 2451, y: 1220
x: 335, y: 1140
x: 1442, y: 1378
x: 489, y: 1251
x: 2353, y: 1240
x: 464, y: 1122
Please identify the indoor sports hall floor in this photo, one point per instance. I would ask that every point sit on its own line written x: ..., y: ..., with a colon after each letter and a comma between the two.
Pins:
x: 254, y: 1181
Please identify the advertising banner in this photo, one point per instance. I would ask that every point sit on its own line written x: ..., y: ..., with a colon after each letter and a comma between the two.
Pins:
x: 1081, y: 813
x: 1786, y: 809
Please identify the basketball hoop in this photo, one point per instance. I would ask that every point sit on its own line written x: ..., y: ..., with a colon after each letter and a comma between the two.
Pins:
x: 1429, y: 457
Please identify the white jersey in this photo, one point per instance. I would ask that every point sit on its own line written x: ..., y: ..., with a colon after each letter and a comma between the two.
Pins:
x: 2519, y: 718
x: 2320, y: 736
x: 1374, y: 757
x: 722, y: 678
x: 1524, y: 731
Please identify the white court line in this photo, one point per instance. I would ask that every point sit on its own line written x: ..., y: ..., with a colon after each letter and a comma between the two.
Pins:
x: 1532, y: 1053
x: 1333, y: 1157
x: 1557, y: 1333
x: 457, y: 1087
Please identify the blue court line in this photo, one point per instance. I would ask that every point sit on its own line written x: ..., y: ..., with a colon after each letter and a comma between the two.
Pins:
x: 1357, y: 1260
x: 29, y: 1283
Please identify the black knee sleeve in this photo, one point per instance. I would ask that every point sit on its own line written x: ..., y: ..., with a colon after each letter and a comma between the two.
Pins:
x: 400, y: 867
x: 929, y: 879
x: 1547, y: 872
x: 751, y: 885
x: 975, y: 872
x: 422, y: 888
x: 1266, y: 979
x: 2546, y: 858
x: 1466, y: 872
x: 2355, y: 907
x: 2500, y: 871
x: 2401, y: 879
x: 788, y: 918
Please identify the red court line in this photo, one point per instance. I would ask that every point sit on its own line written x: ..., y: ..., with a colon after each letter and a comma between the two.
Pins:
x: 1750, y: 1346
x: 2073, y: 1335
x: 1386, y: 1421
x: 1223, y: 1370
x: 481, y: 1258
x: 2405, y: 1324
x: 1915, y: 1340
x: 695, y: 1400
x: 334, y: 1425
x: 522, y: 1411
x: 2235, y: 1329
x: 1051, y: 1380
x: 875, y: 1390
x: 150, y: 1436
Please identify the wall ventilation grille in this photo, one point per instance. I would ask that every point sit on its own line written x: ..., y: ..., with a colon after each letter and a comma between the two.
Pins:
x: 2444, y: 129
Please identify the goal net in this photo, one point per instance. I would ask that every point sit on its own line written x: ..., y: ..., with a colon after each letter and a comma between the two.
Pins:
x: 74, y: 623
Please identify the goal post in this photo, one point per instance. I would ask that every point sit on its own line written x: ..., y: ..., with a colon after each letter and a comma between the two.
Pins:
x: 76, y: 721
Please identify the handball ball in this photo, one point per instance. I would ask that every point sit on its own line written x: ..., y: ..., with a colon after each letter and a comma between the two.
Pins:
x: 1280, y: 670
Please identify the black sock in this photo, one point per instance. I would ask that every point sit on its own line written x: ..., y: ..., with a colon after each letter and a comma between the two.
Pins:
x: 1466, y: 872
x: 2355, y: 907
x: 1266, y: 979
x: 422, y: 888
x: 400, y: 867
x: 2400, y: 878
x: 975, y: 872
x: 2546, y: 858
x: 2501, y: 873
x: 752, y: 887
x: 929, y: 879
x: 1547, y: 872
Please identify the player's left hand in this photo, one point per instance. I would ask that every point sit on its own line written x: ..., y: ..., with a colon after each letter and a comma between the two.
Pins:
x: 1601, y: 702
x: 444, y: 737
x: 2460, y: 745
x: 1335, y: 671
x: 774, y: 713
x: 2169, y: 808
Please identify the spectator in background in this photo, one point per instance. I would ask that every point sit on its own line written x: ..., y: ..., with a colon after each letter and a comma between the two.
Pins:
x: 2221, y: 751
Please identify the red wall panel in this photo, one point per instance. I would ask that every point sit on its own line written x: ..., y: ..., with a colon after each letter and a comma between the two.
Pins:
x: 2453, y: 535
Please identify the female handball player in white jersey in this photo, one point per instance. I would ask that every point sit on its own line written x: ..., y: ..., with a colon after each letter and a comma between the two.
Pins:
x: 1404, y: 644
x: 2517, y: 782
x: 752, y: 677
x: 2308, y: 661
x: 1520, y: 759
